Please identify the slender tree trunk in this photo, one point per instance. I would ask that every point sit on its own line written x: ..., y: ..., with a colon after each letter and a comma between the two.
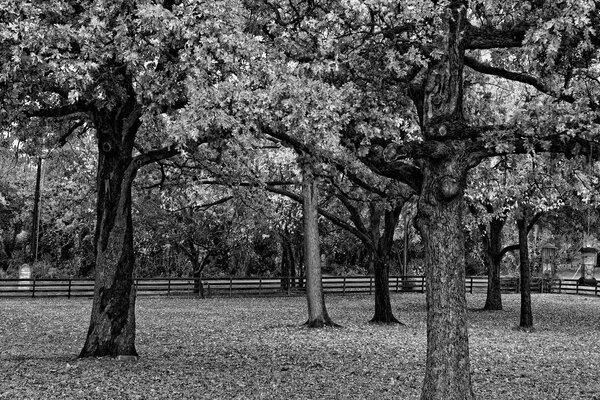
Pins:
x: 198, y: 285
x: 112, y: 324
x: 493, y: 244
x: 3, y: 254
x: 317, y: 312
x: 285, y: 266
x: 383, y: 306
x: 526, y: 320
x: 35, y: 217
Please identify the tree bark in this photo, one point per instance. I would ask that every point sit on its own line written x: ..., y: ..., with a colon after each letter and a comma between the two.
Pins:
x: 317, y: 312
x: 439, y: 218
x: 526, y: 320
x: 383, y: 306
x: 112, y: 324
x: 440, y: 212
x: 493, y: 243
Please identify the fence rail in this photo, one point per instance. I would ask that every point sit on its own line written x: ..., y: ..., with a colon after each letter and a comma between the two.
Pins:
x: 273, y: 286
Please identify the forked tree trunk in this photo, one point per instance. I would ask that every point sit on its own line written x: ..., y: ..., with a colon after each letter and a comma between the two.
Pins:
x: 493, y: 247
x: 112, y: 324
x: 526, y: 320
x: 317, y: 312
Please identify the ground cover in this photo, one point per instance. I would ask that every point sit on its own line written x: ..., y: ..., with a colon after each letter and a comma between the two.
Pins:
x: 253, y: 348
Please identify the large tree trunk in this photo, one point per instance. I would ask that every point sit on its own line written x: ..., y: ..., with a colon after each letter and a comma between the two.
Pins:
x: 112, y: 324
x: 493, y: 247
x: 317, y: 312
x: 526, y: 315
x: 440, y: 213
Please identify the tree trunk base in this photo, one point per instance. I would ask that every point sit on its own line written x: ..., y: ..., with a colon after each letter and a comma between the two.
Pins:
x: 321, y: 323
x: 492, y: 307
x: 528, y: 329
x: 385, y: 320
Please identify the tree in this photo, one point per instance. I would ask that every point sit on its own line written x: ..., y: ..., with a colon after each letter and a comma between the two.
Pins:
x: 118, y: 68
x: 420, y: 50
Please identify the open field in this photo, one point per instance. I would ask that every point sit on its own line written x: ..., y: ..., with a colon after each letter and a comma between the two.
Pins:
x: 252, y: 348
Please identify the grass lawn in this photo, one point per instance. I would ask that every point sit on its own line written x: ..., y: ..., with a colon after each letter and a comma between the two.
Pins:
x: 253, y: 348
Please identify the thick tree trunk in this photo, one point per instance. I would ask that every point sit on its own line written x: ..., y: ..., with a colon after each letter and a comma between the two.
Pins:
x: 317, y: 312
x: 112, y: 324
x: 440, y: 212
x: 439, y: 218
x: 493, y: 244
x: 526, y: 320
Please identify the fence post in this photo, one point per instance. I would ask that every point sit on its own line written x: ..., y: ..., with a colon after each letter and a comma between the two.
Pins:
x: 33, y: 288
x: 289, y: 285
x: 559, y: 286
x: 471, y: 284
x: 69, y: 292
x: 230, y: 287
x: 370, y: 284
x: 344, y: 286
x: 577, y: 288
x: 169, y: 287
x: 259, y: 286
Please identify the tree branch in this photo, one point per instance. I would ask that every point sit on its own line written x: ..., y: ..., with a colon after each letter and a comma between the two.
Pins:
x: 331, y: 217
x: 487, y: 69
x: 491, y: 38
x: 155, y: 155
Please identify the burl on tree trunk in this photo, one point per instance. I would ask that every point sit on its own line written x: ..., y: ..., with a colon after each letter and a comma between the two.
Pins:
x: 439, y: 219
x: 440, y: 214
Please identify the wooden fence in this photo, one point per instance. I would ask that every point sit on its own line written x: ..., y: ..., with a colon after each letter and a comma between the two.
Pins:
x: 273, y: 286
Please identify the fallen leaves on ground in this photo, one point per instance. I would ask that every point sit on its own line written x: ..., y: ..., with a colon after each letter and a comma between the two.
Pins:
x: 256, y: 348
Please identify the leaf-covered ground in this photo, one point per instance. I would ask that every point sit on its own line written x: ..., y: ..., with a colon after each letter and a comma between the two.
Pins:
x: 253, y: 348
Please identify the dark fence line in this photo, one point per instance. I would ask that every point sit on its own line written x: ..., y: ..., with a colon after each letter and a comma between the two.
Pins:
x: 274, y: 286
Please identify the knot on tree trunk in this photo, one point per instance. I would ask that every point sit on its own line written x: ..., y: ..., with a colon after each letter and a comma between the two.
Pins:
x: 449, y: 188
